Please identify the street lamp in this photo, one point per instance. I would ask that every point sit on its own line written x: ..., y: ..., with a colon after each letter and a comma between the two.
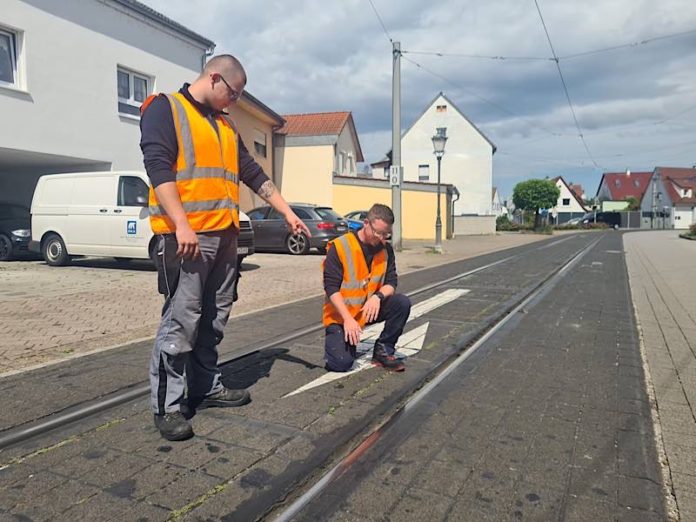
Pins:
x: 439, y: 141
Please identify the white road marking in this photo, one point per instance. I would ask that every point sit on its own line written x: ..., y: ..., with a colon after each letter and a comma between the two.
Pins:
x: 409, y: 343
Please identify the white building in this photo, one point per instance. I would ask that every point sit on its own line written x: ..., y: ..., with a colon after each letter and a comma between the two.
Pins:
x: 670, y: 199
x: 72, y: 77
x: 569, y: 204
x: 467, y: 163
x: 497, y: 206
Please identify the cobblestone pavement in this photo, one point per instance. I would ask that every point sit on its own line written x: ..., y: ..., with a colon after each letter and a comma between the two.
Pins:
x: 51, y: 314
x: 549, y: 420
x: 115, y: 466
x: 662, y: 268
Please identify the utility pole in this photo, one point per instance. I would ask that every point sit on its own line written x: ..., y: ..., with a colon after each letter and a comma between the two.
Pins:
x: 654, y: 201
x: 395, y: 171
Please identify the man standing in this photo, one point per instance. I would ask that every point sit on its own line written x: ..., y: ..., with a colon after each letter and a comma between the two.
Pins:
x: 195, y: 159
x: 360, y: 284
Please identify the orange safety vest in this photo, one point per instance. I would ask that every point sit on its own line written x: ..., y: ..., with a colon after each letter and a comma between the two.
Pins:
x: 207, y: 171
x: 359, y: 283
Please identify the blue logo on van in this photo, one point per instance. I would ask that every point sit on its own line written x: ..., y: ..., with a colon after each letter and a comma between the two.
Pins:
x: 132, y: 227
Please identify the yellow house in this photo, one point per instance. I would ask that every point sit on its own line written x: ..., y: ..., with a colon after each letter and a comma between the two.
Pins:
x: 310, y: 149
x: 257, y: 124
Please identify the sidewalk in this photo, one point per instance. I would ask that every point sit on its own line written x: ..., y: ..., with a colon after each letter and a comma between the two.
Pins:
x: 51, y: 314
x: 662, y: 271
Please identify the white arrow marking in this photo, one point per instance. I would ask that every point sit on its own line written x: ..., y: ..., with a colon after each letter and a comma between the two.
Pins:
x: 409, y: 343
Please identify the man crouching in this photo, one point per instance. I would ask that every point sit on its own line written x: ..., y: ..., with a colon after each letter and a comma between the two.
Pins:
x: 360, y: 284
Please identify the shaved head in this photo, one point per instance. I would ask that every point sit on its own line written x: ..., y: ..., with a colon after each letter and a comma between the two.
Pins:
x: 226, y: 65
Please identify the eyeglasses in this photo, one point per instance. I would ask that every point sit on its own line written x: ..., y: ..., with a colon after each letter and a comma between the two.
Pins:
x: 234, y: 95
x: 381, y: 235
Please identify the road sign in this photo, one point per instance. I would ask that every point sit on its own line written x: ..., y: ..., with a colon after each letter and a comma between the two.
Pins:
x: 394, y: 176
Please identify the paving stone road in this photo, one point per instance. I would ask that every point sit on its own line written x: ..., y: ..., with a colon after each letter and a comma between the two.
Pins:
x: 53, y: 313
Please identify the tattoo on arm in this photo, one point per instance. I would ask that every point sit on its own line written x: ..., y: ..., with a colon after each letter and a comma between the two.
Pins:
x: 267, y: 189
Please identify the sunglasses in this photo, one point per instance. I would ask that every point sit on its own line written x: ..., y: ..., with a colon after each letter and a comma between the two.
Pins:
x: 234, y: 95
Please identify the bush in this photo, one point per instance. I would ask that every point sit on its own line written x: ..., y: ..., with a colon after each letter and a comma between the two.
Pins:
x: 692, y: 230
x: 503, y: 223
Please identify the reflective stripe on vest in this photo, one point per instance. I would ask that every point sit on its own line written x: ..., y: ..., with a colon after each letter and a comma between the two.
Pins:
x: 359, y: 283
x: 206, y: 169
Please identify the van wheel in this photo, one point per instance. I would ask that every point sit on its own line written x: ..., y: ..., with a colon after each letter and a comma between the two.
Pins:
x: 5, y: 248
x: 54, y: 251
x: 297, y: 244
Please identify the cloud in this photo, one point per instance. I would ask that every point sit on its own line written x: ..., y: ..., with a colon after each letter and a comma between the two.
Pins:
x: 312, y: 55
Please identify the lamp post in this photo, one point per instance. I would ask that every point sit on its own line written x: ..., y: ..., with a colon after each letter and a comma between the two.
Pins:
x: 439, y: 140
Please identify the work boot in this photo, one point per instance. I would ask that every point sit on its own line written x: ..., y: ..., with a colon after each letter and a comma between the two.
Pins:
x: 226, y: 398
x: 173, y: 426
x: 380, y: 357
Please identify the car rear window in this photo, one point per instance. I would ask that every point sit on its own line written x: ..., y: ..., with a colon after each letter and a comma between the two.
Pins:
x: 328, y: 213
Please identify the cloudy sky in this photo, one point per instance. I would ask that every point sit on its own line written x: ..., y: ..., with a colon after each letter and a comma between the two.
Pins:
x: 635, y: 104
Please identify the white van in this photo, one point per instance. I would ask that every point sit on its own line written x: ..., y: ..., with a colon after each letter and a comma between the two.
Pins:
x: 98, y: 214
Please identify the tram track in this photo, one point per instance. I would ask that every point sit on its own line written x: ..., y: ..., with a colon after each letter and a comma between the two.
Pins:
x: 75, y: 413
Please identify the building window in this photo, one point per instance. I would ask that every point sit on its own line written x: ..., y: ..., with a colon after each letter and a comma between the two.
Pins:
x: 441, y: 108
x: 8, y: 58
x: 260, y: 143
x: 133, y: 88
x: 423, y: 172
x: 351, y: 164
x: 566, y: 202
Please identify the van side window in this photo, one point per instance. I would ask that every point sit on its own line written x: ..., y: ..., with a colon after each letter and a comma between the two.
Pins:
x: 132, y: 192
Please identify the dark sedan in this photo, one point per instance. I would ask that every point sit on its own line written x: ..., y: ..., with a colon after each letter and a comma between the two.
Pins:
x: 14, y: 230
x: 271, y: 234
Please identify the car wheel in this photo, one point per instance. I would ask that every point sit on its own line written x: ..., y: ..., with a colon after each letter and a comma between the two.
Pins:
x: 54, y: 251
x: 297, y: 244
x: 5, y: 248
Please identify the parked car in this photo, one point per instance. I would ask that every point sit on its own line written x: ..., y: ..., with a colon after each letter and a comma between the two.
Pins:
x: 613, y: 219
x: 14, y: 230
x: 99, y: 214
x: 271, y: 233
x: 572, y: 222
x: 356, y: 219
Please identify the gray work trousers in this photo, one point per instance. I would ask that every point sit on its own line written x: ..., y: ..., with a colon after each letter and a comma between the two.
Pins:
x: 198, y: 299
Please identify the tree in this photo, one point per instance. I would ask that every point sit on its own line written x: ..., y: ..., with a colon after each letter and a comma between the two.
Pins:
x: 633, y: 203
x: 535, y: 194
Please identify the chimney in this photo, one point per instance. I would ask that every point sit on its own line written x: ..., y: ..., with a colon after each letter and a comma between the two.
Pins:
x: 628, y: 172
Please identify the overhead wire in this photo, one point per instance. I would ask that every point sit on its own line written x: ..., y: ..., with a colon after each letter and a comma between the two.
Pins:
x: 565, y: 87
x: 485, y: 100
x: 628, y: 45
x: 481, y: 57
x: 381, y: 22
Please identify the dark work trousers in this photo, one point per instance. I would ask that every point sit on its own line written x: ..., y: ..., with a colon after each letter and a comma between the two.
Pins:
x: 198, y: 299
x: 394, y: 311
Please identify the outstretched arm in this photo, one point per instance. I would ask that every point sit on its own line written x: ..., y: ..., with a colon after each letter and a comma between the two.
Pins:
x: 271, y: 195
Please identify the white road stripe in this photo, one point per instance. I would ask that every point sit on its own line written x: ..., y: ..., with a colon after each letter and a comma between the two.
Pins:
x: 409, y: 343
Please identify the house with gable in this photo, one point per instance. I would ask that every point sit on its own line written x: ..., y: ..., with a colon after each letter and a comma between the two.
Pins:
x: 310, y: 149
x: 497, y: 206
x: 569, y: 204
x: 80, y: 111
x: 467, y: 163
x: 670, y: 198
x: 615, y: 188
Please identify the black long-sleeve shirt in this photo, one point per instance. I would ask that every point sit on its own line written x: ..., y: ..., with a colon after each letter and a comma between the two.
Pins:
x: 333, y: 268
x: 160, y: 147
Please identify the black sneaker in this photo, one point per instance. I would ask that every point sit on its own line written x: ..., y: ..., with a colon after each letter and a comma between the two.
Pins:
x: 388, y: 362
x: 174, y: 426
x: 226, y: 398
